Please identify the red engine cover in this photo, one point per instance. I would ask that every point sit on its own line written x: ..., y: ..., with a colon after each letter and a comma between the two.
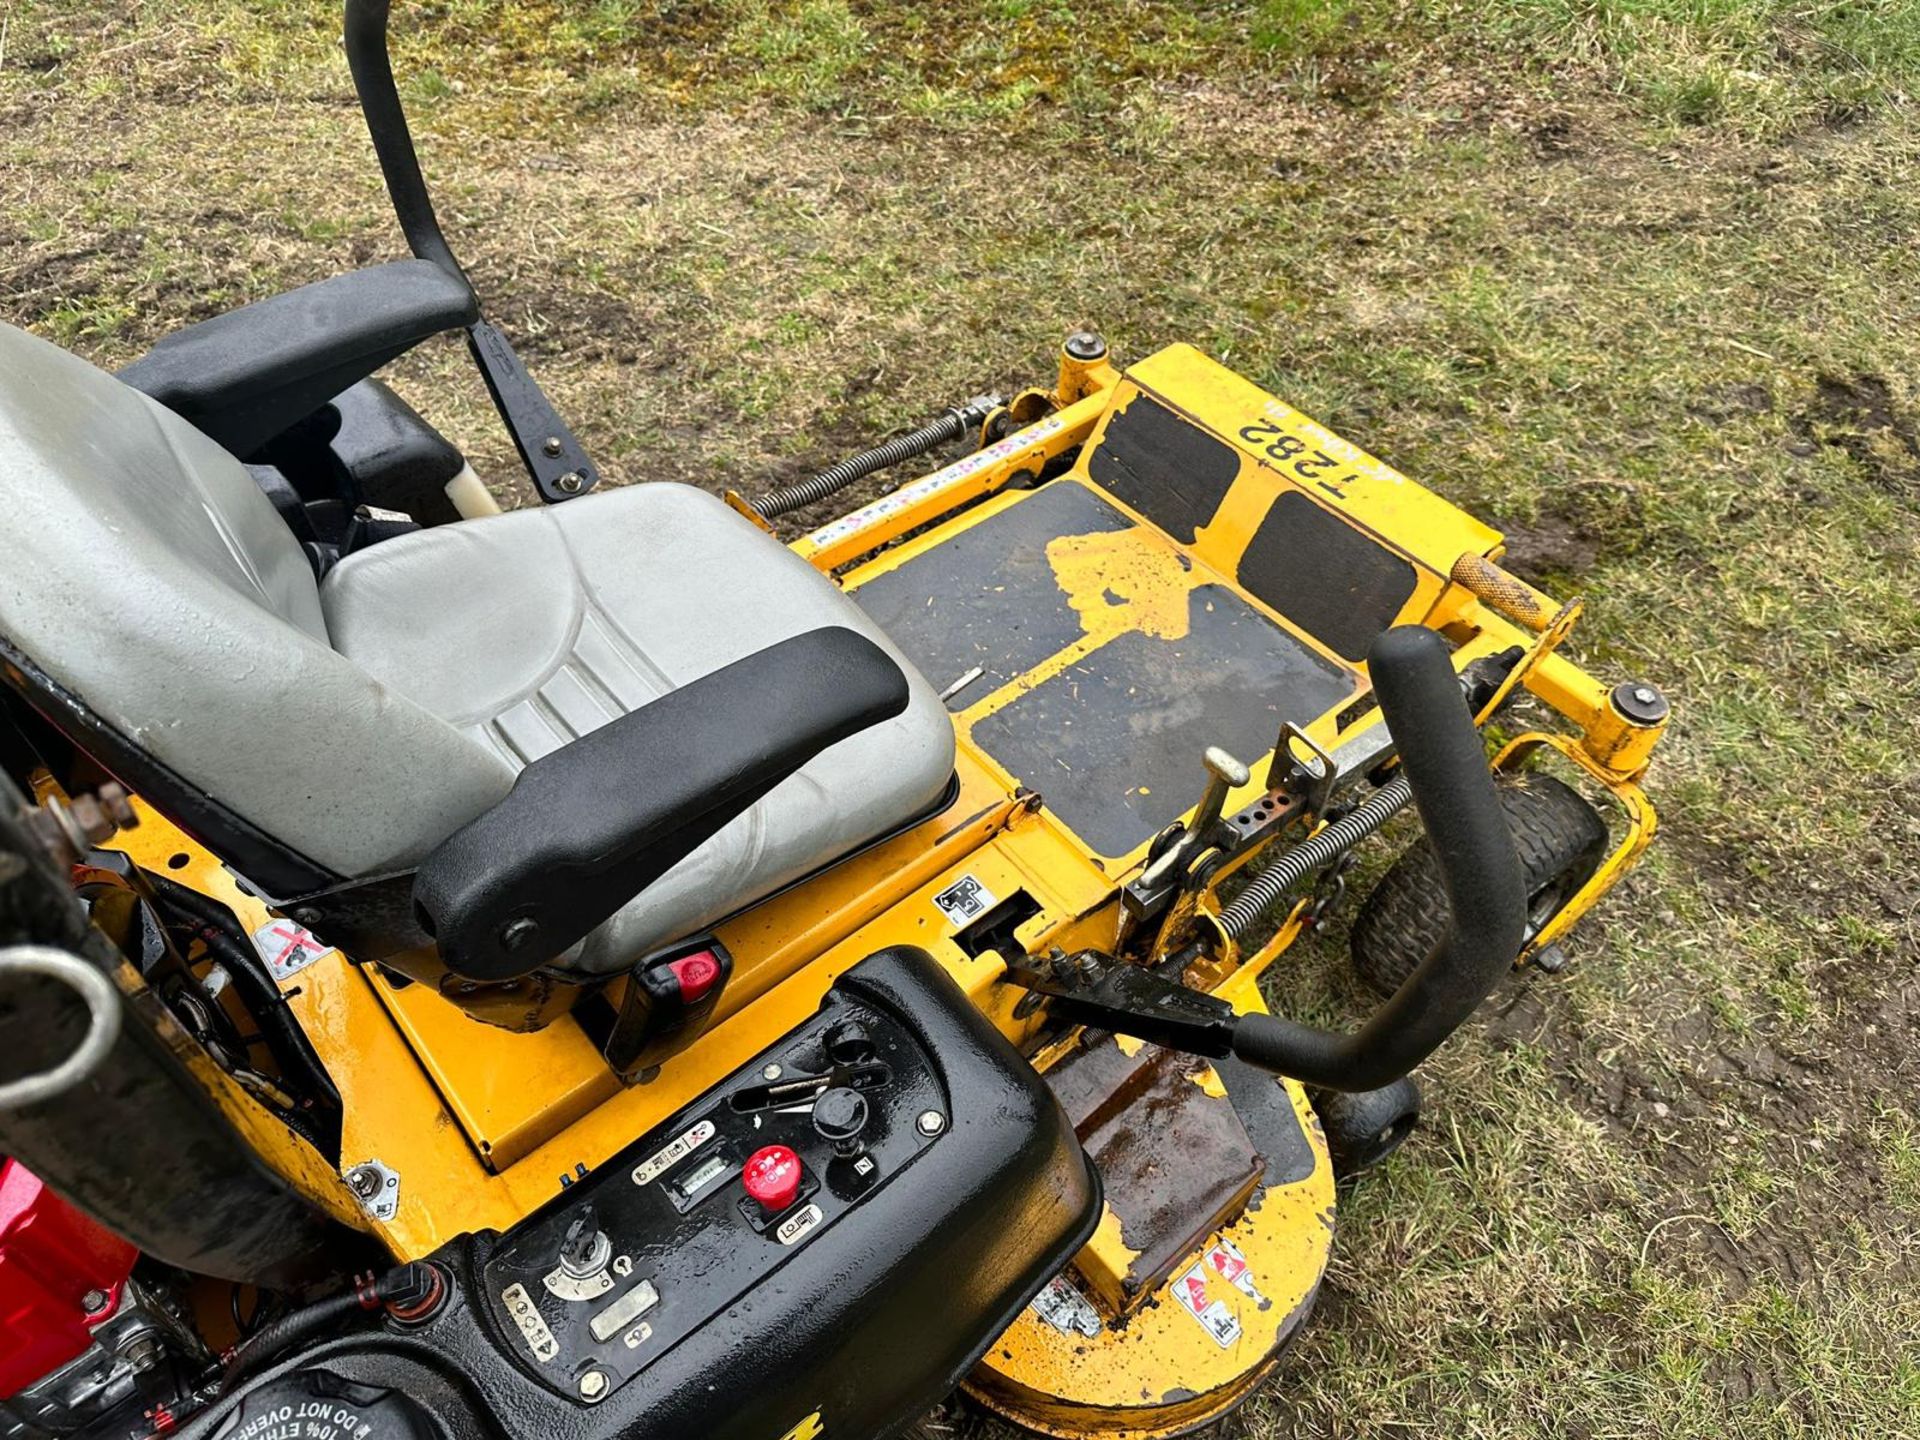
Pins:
x: 51, y: 1255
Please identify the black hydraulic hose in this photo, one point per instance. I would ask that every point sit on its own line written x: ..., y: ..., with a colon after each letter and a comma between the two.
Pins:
x: 1446, y: 765
x: 229, y: 945
x: 289, y: 1330
x: 409, y: 1293
x: 372, y: 70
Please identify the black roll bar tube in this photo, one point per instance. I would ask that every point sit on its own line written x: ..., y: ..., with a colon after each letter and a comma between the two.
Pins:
x: 554, y: 458
x: 372, y: 70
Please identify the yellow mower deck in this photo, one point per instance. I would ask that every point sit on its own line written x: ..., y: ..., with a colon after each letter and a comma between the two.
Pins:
x: 1213, y: 566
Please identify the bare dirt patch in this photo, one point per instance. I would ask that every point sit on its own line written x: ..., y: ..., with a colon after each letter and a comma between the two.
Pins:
x: 1575, y: 528
x: 1861, y: 416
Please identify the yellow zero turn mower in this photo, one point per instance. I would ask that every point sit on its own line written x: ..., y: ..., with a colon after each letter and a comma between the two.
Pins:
x: 598, y: 971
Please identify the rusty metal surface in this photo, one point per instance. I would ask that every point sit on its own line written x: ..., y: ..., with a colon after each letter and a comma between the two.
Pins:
x: 1172, y: 1151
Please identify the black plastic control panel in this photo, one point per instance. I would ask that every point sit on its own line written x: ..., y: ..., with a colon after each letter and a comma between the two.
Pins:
x: 661, y: 1240
x: 949, y: 1188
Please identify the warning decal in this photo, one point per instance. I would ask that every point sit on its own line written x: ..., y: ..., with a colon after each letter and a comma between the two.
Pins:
x: 1214, y: 1315
x: 288, y: 948
x: 1224, y: 1259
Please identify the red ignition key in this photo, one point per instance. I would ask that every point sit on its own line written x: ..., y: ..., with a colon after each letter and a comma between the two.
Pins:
x: 772, y: 1176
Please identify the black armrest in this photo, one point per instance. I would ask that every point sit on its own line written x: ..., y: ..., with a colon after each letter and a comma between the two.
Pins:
x: 245, y: 376
x: 590, y: 826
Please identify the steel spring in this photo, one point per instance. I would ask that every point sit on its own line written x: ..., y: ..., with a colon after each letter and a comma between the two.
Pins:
x: 1321, y: 848
x: 780, y: 501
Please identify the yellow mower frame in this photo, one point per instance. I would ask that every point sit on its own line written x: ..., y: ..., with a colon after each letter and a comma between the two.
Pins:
x: 487, y: 1118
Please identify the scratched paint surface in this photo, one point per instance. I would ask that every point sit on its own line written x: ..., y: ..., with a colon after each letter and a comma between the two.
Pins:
x: 1124, y: 580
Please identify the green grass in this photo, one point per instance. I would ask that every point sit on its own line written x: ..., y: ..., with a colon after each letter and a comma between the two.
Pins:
x: 1763, y: 66
x: 1633, y: 278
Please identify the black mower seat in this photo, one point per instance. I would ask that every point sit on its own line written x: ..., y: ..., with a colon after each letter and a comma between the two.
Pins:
x: 153, y: 601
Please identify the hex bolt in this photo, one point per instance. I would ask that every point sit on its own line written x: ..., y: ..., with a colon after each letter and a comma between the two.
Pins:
x: 119, y: 809
x: 94, y: 1301
x: 364, y: 1181
x: 593, y: 1385
x: 1639, y: 702
x: 930, y: 1123
x: 1086, y: 346
x: 89, y: 819
x: 552, y: 447
x: 571, y: 483
x: 142, y: 1353
x: 98, y: 816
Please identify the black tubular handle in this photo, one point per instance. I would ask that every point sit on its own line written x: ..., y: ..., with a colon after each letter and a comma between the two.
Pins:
x: 555, y: 460
x: 1446, y: 766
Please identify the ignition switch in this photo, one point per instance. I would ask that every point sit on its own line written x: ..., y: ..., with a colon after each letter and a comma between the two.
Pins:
x: 585, y: 1250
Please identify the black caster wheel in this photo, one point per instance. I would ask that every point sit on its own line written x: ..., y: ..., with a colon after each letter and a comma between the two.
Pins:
x: 1560, y: 839
x: 1363, y: 1129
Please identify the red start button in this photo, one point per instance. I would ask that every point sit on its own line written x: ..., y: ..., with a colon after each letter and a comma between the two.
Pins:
x: 772, y: 1176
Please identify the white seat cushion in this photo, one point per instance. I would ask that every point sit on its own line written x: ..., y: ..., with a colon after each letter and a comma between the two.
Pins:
x: 528, y: 629
x: 143, y: 572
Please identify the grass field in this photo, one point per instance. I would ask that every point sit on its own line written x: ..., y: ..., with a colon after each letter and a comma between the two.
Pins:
x: 1636, y: 278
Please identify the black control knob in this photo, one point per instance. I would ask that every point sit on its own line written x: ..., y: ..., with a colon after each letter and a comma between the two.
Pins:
x: 839, y: 1115
x: 848, y: 1043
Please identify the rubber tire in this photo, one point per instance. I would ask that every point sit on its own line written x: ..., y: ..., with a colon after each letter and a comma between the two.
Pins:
x: 1561, y: 841
x: 1363, y: 1129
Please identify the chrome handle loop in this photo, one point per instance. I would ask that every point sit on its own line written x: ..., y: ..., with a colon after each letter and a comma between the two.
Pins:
x: 102, y: 998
